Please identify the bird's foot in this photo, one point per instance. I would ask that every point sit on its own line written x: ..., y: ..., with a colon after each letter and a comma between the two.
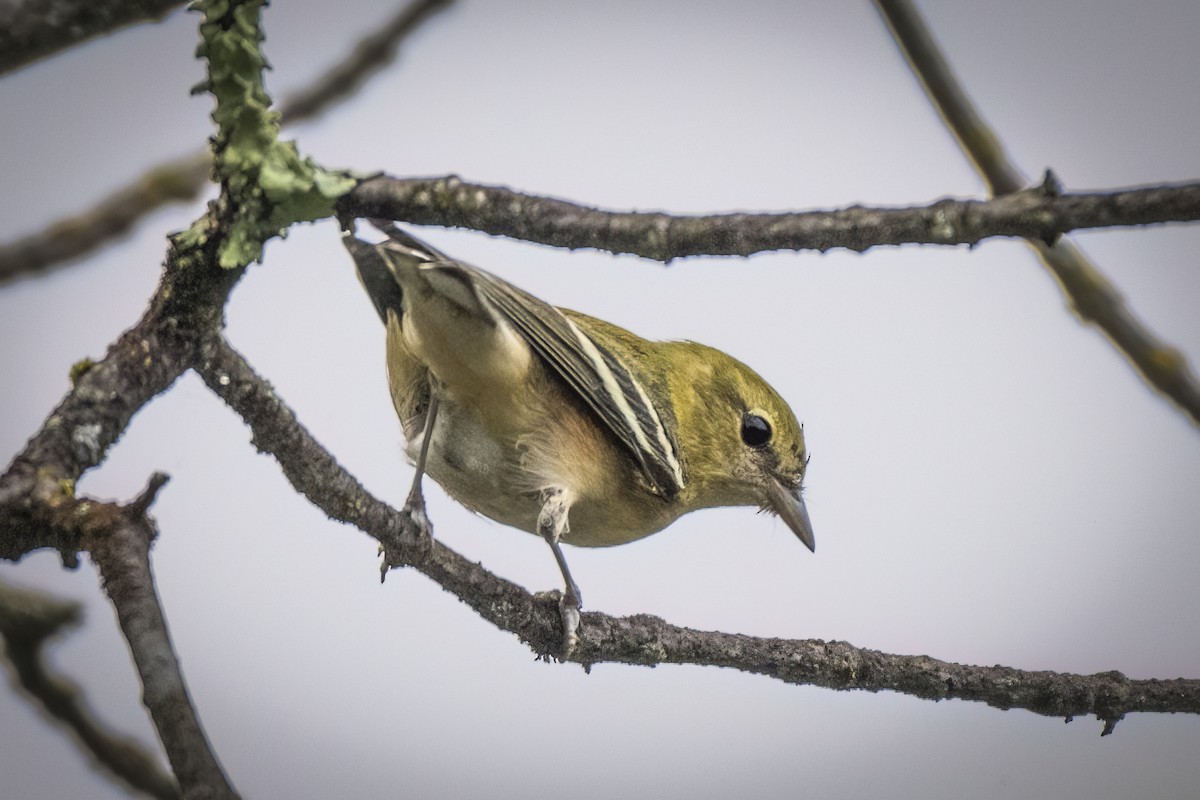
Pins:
x: 411, y: 540
x: 569, y: 605
x: 570, y: 617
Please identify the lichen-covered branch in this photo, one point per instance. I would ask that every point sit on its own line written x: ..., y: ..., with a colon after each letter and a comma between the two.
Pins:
x: 1039, y: 213
x: 37, y: 488
x: 184, y: 179
x: 266, y: 185
x: 1090, y: 294
x: 34, y: 29
x: 28, y: 620
x: 269, y: 184
x: 649, y: 640
x: 263, y: 184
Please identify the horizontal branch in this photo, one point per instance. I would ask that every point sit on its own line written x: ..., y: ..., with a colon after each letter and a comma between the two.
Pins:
x: 1041, y: 214
x: 649, y: 640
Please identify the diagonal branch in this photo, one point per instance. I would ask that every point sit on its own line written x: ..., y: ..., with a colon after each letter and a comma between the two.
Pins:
x: 178, y: 181
x: 371, y: 55
x: 118, y: 539
x: 184, y: 179
x: 35, y: 29
x: 648, y: 640
x: 1091, y: 295
x: 37, y: 503
x: 37, y: 487
x: 28, y: 619
x: 1041, y: 213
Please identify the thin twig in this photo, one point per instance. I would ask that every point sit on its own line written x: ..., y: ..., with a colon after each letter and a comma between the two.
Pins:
x: 1090, y: 294
x: 1042, y: 212
x: 118, y: 539
x: 185, y: 179
x: 178, y: 181
x: 649, y: 640
x: 28, y: 619
x: 370, y: 55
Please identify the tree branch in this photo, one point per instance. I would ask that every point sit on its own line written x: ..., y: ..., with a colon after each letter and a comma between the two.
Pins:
x: 181, y: 330
x: 1040, y: 213
x: 1091, y: 295
x: 118, y: 539
x: 28, y: 619
x: 34, y: 29
x: 184, y: 179
x: 178, y: 181
x: 37, y: 488
x: 648, y: 640
x: 370, y: 56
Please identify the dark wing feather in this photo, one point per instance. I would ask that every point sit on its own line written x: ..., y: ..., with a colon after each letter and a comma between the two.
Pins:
x: 591, y: 370
x: 583, y: 364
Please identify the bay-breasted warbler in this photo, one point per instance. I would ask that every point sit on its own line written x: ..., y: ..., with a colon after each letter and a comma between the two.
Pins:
x: 564, y: 425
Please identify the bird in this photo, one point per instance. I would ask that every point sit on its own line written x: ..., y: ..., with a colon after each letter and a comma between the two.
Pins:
x: 561, y: 424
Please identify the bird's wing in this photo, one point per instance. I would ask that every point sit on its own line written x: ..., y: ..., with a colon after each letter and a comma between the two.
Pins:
x: 585, y: 365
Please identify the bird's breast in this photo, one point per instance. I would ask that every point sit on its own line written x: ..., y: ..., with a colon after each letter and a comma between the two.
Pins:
x: 502, y: 473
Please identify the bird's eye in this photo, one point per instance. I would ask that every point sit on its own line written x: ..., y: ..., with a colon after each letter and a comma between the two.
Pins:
x: 756, y: 431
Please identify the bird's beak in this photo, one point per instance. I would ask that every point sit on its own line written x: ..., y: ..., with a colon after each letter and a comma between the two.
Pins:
x: 789, y: 505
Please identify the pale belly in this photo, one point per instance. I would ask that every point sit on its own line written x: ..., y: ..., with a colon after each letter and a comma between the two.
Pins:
x: 493, y: 478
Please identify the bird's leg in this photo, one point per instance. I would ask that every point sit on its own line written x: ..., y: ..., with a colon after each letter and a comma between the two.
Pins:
x: 552, y: 524
x: 415, y: 504
x: 416, y: 530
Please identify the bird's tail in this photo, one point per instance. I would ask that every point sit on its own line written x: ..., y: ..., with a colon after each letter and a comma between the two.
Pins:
x: 375, y: 269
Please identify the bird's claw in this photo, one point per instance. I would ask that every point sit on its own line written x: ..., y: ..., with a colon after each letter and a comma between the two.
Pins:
x: 568, y: 612
x: 413, y: 540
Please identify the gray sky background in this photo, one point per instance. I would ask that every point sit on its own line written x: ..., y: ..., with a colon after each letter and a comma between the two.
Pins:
x: 990, y: 482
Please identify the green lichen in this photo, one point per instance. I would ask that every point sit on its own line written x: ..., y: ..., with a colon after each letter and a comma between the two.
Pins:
x: 270, y: 185
x: 79, y: 368
x: 194, y: 236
